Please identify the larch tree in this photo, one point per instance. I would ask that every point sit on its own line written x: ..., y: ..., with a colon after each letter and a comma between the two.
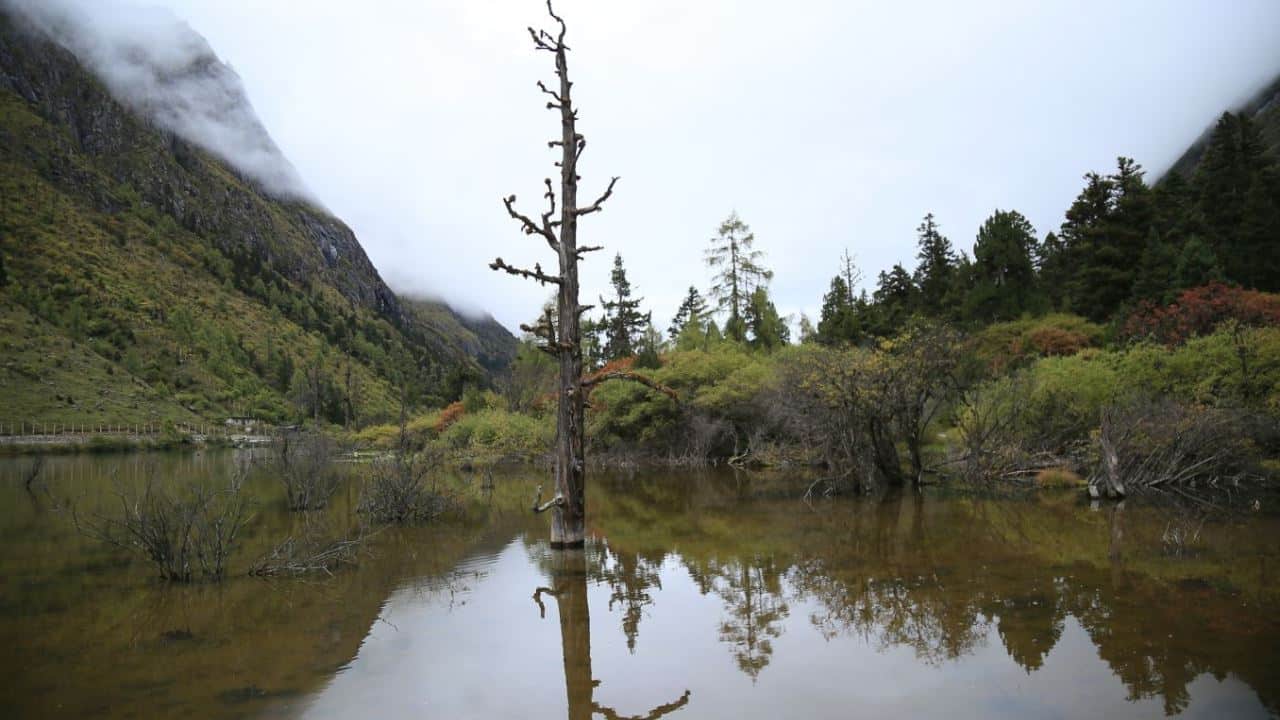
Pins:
x: 738, y: 272
x: 560, y: 331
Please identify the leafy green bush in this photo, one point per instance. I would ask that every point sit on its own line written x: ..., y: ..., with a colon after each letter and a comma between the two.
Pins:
x: 498, y: 432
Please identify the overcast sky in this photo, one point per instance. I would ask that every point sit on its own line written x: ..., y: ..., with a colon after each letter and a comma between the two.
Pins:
x: 825, y: 123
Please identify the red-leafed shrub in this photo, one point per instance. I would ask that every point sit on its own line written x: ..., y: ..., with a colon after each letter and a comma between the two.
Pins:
x: 1055, y: 341
x: 1198, y: 311
x: 449, y: 416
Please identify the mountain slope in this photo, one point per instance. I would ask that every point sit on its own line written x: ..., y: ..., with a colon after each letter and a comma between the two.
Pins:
x: 190, y: 287
x: 1263, y: 108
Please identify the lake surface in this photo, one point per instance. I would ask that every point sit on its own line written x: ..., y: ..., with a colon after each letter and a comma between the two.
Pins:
x: 700, y: 595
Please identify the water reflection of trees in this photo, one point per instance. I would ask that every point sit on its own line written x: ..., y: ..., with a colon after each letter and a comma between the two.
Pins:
x: 755, y: 608
x: 941, y: 577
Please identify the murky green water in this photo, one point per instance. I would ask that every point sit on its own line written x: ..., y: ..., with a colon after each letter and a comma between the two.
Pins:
x: 700, y: 596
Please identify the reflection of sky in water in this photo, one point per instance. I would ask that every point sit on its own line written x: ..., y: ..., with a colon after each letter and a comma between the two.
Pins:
x: 476, y: 648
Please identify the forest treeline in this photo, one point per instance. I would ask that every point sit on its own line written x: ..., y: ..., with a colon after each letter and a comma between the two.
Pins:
x: 1138, y: 344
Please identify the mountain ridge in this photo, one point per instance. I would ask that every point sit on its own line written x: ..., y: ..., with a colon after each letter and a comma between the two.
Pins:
x: 277, y: 308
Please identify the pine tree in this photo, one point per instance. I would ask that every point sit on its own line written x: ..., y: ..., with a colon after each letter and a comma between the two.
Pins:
x: 1197, y: 264
x: 623, y: 322
x: 1104, y: 236
x: 935, y: 274
x: 839, y: 321
x: 692, y: 309
x: 1003, y: 271
x: 1238, y: 193
x: 1156, y: 278
x: 738, y: 272
x: 768, y: 330
x: 895, y: 300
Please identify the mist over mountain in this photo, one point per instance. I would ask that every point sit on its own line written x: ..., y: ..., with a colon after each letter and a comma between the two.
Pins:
x: 165, y: 71
x: 1263, y: 107
x: 159, y: 259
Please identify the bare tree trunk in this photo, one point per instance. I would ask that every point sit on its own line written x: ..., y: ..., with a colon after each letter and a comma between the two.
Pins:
x: 1110, y: 474
x: 561, y: 335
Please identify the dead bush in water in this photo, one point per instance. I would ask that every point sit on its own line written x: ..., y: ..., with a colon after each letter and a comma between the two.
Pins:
x: 312, y: 549
x: 397, y: 489
x: 1165, y: 445
x: 184, y: 533
x: 304, y: 464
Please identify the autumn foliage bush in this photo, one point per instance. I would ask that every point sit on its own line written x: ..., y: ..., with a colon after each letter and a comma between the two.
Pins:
x: 1198, y: 311
x: 449, y: 416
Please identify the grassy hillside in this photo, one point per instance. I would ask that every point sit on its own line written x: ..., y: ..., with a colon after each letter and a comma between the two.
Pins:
x: 145, y: 280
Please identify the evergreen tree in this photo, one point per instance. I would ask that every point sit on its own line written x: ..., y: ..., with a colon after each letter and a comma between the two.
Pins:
x: 623, y: 322
x: 935, y: 273
x: 1004, y: 283
x: 1197, y: 264
x: 1237, y: 190
x: 1104, y: 236
x: 839, y: 321
x: 692, y: 309
x: 649, y: 348
x: 738, y: 272
x: 592, y: 347
x: 768, y: 330
x: 1156, y: 278
x: 894, y: 301
x: 1053, y: 271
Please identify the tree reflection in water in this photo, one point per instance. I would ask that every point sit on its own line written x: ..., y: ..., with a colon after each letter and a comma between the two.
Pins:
x: 569, y: 571
x: 938, y: 577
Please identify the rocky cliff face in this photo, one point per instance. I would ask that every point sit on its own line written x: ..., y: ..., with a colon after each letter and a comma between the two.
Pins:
x: 127, y: 163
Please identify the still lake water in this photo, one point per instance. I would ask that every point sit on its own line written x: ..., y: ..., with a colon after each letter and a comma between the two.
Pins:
x: 700, y: 595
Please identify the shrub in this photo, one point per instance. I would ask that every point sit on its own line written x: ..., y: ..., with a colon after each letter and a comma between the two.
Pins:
x: 304, y: 465
x: 449, y: 416
x: 1198, y: 311
x: 1009, y: 345
x: 182, y: 533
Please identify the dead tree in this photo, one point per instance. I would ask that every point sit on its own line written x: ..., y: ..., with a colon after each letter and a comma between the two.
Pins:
x: 559, y: 332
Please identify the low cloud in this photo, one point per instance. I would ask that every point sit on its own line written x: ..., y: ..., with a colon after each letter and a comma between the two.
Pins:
x: 165, y: 71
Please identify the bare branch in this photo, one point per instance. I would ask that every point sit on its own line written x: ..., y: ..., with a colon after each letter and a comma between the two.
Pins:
x: 557, y: 501
x: 588, y: 383
x: 539, y: 42
x: 595, y: 206
x: 529, y: 226
x: 558, y: 19
x: 534, y: 274
x: 537, y: 597
x: 588, y: 248
x: 542, y: 86
x: 611, y: 714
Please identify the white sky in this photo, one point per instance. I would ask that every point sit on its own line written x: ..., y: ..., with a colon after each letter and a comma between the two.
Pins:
x: 826, y: 124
